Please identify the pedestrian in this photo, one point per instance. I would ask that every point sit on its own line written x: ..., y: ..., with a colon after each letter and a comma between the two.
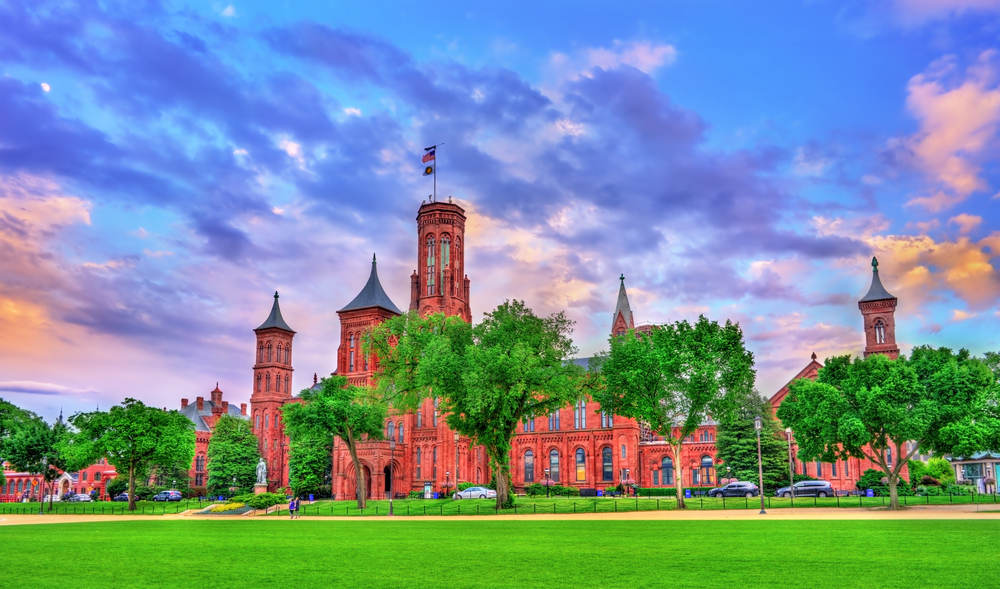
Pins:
x: 291, y: 507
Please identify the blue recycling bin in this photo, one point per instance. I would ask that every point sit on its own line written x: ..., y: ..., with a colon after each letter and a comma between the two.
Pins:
x: 311, y: 497
x: 869, y: 493
x: 436, y: 496
x: 687, y: 493
x: 600, y: 493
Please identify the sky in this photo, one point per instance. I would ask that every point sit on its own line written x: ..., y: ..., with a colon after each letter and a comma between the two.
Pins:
x: 166, y: 167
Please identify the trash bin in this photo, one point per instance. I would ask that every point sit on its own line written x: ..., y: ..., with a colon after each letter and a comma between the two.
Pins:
x: 311, y: 498
x: 687, y: 493
x: 436, y: 495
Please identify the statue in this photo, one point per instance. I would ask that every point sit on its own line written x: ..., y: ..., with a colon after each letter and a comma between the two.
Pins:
x: 261, y: 472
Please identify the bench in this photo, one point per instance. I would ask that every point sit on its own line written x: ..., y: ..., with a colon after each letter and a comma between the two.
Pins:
x: 699, y: 493
x: 401, y: 496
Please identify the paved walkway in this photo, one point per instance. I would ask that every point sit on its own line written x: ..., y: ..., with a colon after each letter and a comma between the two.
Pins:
x: 812, y: 513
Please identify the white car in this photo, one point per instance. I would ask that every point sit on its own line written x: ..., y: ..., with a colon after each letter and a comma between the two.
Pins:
x: 475, y: 493
x: 82, y: 497
x: 55, y: 498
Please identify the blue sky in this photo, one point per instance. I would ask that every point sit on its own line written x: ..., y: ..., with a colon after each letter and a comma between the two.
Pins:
x: 164, y: 167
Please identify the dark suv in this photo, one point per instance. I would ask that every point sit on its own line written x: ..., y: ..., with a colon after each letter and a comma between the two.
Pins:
x: 168, y: 496
x: 807, y: 489
x: 735, y: 490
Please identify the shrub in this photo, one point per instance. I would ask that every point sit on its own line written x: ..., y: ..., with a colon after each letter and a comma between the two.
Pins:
x: 265, y: 500
x: 416, y: 495
x: 227, y: 507
x: 464, y: 486
x: 928, y: 480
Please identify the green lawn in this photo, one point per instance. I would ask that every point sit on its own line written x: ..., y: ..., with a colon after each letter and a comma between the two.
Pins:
x: 105, y: 507
x: 497, y: 553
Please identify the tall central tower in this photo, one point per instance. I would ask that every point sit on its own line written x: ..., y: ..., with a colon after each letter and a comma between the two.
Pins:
x: 439, y: 284
x: 878, y: 308
x: 272, y: 389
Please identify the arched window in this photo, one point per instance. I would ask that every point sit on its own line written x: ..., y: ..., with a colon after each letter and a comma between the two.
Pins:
x: 268, y: 351
x: 879, y: 332
x: 581, y: 465
x: 258, y: 382
x: 256, y: 421
x: 606, y: 419
x: 431, y: 266
x: 667, y: 470
x: 580, y: 415
x: 623, y: 450
x: 819, y: 469
x: 435, y: 413
x: 420, y: 419
x: 267, y: 421
x: 607, y: 465
x: 833, y: 469
x: 554, y: 465
x: 288, y: 384
x: 350, y: 346
x: 278, y: 357
x: 445, y: 259
x: 288, y: 354
x: 277, y: 379
x: 529, y: 466
x: 888, y: 456
x: 390, y: 430
x: 418, y: 463
x: 260, y: 353
x: 435, y: 462
x: 267, y: 381
x: 554, y: 421
x: 399, y: 432
x: 366, y: 361
x: 708, y: 469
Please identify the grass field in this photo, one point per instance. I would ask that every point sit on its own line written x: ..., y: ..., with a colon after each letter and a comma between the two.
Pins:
x: 497, y: 553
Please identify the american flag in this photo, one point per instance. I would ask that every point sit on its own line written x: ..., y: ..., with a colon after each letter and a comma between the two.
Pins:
x: 428, y: 156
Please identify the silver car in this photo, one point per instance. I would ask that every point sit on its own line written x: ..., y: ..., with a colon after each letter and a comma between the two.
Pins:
x: 475, y: 493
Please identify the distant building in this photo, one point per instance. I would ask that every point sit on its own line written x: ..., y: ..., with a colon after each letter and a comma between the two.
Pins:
x: 204, y: 414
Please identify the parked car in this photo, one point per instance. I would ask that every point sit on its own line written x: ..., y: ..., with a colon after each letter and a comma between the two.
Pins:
x: 121, y: 497
x: 168, y: 496
x: 807, y: 489
x: 737, y: 489
x: 475, y: 493
x: 81, y: 498
x: 55, y: 498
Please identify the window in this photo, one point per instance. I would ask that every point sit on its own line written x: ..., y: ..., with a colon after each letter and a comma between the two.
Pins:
x: 847, y: 468
x: 529, y: 425
x: 623, y: 450
x: 554, y: 421
x: 580, y: 415
x: 435, y: 420
x: 288, y: 354
x: 350, y: 362
x: 256, y: 421
x: 833, y: 470
x: 805, y: 470
x: 84, y: 477
x: 278, y: 380
x: 879, y: 332
x: 554, y: 465
x: 260, y: 353
x: 366, y: 361
x: 707, y: 436
x: 278, y: 357
x: 430, y: 265
x: 420, y: 421
x: 435, y: 462
x: 258, y: 382
x: 199, y: 480
x: 390, y: 430
x: 445, y: 258
x: 819, y: 469
x: 288, y: 384
x: 268, y: 351
x: 529, y: 466
x: 708, y: 469
x: 418, y: 463
x: 267, y: 382
x: 607, y: 467
x: 656, y: 478
x: 399, y: 432
x: 581, y: 464
x: 606, y: 419
x: 888, y: 456
x: 695, y: 480
x: 667, y: 468
x: 267, y: 421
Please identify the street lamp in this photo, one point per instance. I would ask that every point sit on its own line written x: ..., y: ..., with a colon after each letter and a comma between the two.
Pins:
x: 625, y: 481
x: 447, y: 479
x: 234, y: 486
x: 392, y: 456
x: 41, y: 497
x: 728, y: 475
x: 457, y: 471
x: 791, y: 467
x: 757, y: 425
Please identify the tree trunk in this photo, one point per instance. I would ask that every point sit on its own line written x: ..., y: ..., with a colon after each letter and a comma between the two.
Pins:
x: 504, y: 499
x: 51, y: 492
x: 131, y: 487
x: 358, y: 472
x: 893, y: 492
x: 679, y: 487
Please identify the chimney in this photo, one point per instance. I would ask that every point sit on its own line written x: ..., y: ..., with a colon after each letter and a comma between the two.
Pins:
x: 225, y: 407
x: 243, y: 408
x: 184, y: 403
x: 201, y: 403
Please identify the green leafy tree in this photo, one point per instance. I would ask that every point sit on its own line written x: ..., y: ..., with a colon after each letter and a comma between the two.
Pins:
x: 232, y: 454
x: 941, y: 470
x: 736, y: 444
x: 870, y: 408
x: 133, y: 438
x: 116, y: 486
x: 33, y: 440
x: 489, y: 377
x: 336, y: 409
x: 309, y: 464
x: 675, y: 376
x: 175, y: 477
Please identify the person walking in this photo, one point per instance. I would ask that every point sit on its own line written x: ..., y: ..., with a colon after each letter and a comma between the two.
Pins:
x: 292, y: 506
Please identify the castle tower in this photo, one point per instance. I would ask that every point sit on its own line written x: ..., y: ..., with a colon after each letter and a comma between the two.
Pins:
x: 622, y: 320
x: 370, y: 308
x: 878, y: 309
x: 439, y: 285
x: 272, y: 389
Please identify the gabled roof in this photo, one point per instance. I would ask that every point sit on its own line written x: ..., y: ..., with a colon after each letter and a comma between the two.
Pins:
x: 192, y: 413
x: 622, y: 306
x: 876, y: 292
x: 275, y: 319
x: 372, y: 295
x: 811, y: 371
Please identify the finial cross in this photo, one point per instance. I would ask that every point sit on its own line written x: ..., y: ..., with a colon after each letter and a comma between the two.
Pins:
x: 874, y: 264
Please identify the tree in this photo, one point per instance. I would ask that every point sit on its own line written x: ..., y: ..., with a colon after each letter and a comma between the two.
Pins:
x: 674, y: 377
x: 736, y: 443
x: 232, y: 454
x: 870, y: 408
x: 33, y: 440
x: 336, y: 409
x: 133, y: 438
x: 309, y: 464
x: 488, y: 378
x: 175, y: 476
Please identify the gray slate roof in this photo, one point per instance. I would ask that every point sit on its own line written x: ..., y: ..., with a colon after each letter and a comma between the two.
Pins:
x: 876, y: 292
x: 192, y: 413
x: 275, y: 319
x: 622, y: 306
x: 372, y: 295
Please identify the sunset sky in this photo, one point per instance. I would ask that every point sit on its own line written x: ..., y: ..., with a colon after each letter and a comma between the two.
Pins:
x: 164, y: 168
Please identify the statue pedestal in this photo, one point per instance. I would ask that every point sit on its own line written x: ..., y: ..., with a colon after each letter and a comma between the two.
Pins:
x: 259, y: 488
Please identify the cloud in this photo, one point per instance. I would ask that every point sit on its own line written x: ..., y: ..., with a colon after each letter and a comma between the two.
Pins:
x: 229, y: 11
x: 31, y: 387
x: 966, y: 223
x: 959, y: 114
x: 959, y: 315
x: 46, y: 87
x: 919, y: 11
x: 350, y: 111
x: 642, y: 55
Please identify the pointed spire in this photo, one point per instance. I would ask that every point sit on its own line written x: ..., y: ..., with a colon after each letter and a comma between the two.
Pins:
x: 372, y: 295
x: 622, y: 306
x: 275, y: 319
x: 876, y: 292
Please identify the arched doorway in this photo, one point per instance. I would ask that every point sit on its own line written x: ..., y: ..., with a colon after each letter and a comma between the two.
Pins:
x: 368, y: 482
x: 386, y: 473
x: 64, y: 488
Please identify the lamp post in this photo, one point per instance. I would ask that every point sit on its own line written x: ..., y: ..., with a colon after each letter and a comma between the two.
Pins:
x: 625, y: 481
x: 548, y: 483
x: 41, y: 496
x: 728, y: 475
x: 757, y: 425
x: 392, y: 456
x: 791, y: 467
x: 174, y: 486
x: 447, y: 480
x: 234, y: 486
x: 457, y: 471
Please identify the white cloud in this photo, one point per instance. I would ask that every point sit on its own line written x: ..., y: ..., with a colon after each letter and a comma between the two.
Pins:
x: 46, y: 87
x: 278, y: 211
x: 965, y: 222
x: 229, y: 11
x: 807, y: 164
x: 31, y: 387
x: 353, y: 112
x: 568, y: 127
x: 643, y: 56
x: 959, y: 315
